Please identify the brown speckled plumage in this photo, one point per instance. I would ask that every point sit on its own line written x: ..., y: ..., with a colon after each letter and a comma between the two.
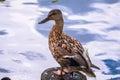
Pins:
x: 67, y: 50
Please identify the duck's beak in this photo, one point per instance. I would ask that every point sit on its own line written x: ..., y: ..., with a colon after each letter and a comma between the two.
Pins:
x: 43, y: 21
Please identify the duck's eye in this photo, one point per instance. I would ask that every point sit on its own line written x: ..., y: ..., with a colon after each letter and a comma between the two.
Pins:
x: 53, y: 13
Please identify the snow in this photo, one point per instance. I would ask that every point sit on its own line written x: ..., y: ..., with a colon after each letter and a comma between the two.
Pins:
x: 24, y: 50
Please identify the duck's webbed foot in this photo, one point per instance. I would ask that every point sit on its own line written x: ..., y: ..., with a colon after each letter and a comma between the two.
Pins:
x: 59, y: 72
x: 62, y: 72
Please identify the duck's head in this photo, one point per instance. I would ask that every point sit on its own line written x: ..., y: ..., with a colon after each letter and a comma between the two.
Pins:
x: 54, y: 14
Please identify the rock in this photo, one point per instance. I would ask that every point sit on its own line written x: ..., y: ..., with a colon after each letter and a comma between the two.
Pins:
x: 6, y: 78
x: 49, y: 75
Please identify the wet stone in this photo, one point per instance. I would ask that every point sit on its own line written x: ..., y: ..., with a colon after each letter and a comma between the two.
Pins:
x: 49, y: 75
x: 6, y: 78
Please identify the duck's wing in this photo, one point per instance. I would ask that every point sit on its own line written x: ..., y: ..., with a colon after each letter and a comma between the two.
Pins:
x: 72, y: 50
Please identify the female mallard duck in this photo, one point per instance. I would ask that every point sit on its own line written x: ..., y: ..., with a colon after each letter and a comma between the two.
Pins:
x: 67, y: 50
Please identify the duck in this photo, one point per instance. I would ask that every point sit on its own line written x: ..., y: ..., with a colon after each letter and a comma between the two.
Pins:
x: 67, y: 50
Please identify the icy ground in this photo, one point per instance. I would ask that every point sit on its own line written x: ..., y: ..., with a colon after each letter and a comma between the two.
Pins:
x: 24, y: 52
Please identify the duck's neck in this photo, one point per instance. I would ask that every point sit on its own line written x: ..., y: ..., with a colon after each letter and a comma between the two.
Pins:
x: 56, y: 32
x: 59, y: 22
x: 58, y: 26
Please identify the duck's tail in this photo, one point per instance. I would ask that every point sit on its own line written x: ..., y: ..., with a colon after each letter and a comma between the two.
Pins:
x: 94, y: 66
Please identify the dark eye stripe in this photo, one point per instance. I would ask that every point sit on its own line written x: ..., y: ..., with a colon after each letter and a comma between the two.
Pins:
x: 53, y: 13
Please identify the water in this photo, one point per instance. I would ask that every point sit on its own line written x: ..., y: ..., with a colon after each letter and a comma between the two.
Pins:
x: 24, y: 52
